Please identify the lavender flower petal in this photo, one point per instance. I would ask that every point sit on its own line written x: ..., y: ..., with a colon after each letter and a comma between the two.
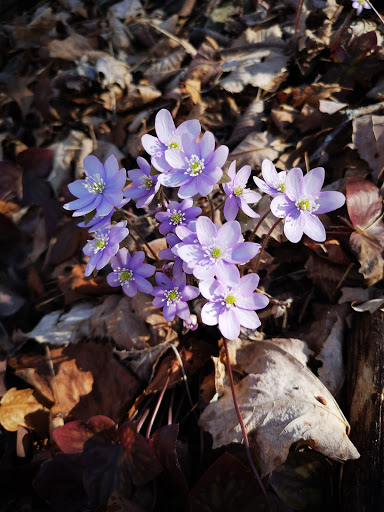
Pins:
x: 248, y: 319
x: 294, y: 184
x: 329, y: 201
x: 313, y: 181
x: 210, y: 313
x: 229, y: 325
x: 231, y: 208
x: 313, y: 227
x: 294, y: 226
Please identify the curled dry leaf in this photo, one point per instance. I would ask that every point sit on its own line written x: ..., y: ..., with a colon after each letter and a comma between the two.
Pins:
x: 15, y: 406
x: 362, y: 299
x: 279, y: 404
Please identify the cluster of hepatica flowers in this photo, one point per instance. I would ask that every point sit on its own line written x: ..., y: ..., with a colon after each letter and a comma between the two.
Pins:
x: 198, y: 252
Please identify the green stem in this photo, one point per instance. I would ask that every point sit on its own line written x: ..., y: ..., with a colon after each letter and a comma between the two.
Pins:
x: 264, y: 244
x: 241, y: 422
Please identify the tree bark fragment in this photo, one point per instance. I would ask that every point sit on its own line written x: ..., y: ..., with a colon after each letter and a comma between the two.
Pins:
x: 363, y: 480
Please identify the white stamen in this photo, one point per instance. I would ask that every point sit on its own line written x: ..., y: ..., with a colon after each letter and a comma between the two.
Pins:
x: 124, y: 275
x: 196, y: 165
x: 94, y: 184
x: 307, y: 203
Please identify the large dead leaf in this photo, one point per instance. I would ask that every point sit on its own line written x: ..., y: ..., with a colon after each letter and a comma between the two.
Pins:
x: 15, y: 406
x: 282, y: 403
x: 368, y: 137
x: 82, y: 382
x: 71, y: 48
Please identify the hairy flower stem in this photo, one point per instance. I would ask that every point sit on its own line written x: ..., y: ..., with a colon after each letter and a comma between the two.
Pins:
x: 138, y: 233
x: 241, y: 422
x: 250, y: 239
x: 264, y: 244
x: 152, y: 420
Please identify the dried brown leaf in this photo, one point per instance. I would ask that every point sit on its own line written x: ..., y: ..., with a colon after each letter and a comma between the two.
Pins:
x: 256, y: 147
x: 84, y: 378
x: 71, y: 48
x: 279, y: 400
x: 15, y: 406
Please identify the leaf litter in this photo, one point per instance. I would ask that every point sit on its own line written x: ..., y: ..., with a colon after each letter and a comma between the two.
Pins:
x: 79, y: 78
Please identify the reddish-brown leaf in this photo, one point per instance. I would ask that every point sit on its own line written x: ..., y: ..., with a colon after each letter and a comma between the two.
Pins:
x: 70, y: 438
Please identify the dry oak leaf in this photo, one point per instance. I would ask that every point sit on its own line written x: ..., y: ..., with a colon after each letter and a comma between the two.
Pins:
x: 279, y: 400
x: 15, y: 406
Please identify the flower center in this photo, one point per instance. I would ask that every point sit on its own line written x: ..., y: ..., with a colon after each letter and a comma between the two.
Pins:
x: 229, y: 298
x: 172, y: 296
x: 177, y: 217
x: 101, y: 242
x: 174, y: 143
x: 238, y: 191
x: 279, y: 185
x: 213, y: 252
x: 146, y: 182
x: 307, y: 203
x: 94, y: 184
x: 196, y: 165
x: 124, y: 275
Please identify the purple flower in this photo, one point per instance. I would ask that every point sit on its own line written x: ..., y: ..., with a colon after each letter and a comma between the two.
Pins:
x: 217, y: 251
x: 130, y: 272
x: 231, y: 307
x: 302, y: 202
x: 104, y: 246
x: 145, y: 185
x: 238, y: 195
x: 274, y: 182
x: 197, y: 168
x: 168, y: 137
x: 172, y: 295
x: 177, y: 214
x: 101, y: 190
x: 359, y: 5
x: 97, y: 222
